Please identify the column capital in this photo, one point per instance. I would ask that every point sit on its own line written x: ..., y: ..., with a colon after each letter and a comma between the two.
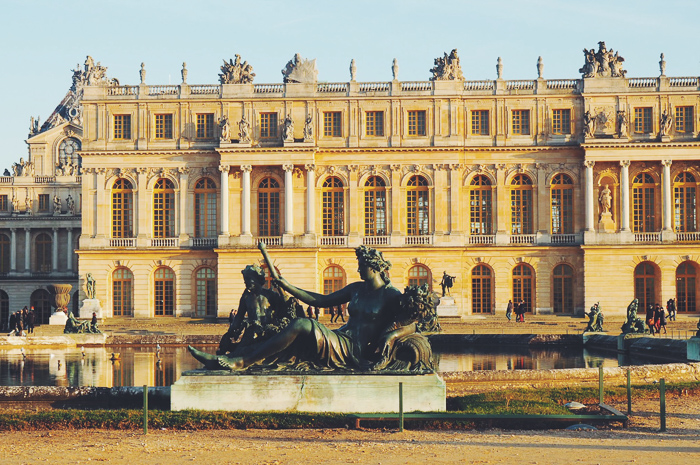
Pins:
x: 310, y: 167
x: 666, y: 163
x: 456, y: 166
x: 246, y: 168
x: 183, y: 170
x: 224, y: 168
x: 27, y: 229
x: 69, y: 229
x: 625, y: 163
x: 500, y: 166
x: 353, y: 168
x: 395, y: 167
x: 101, y: 170
x: 589, y: 163
x: 13, y: 230
x: 142, y: 170
x: 54, y: 229
x: 288, y: 167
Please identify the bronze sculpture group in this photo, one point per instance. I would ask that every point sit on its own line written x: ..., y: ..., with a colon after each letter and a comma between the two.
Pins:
x: 595, y: 319
x: 383, y: 330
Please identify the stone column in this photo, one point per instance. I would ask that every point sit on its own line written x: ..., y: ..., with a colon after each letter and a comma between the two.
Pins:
x: 27, y: 250
x: 54, y: 250
x: 288, y: 200
x: 395, y: 210
x: 245, y: 200
x: 69, y: 250
x: 141, y: 210
x: 667, y: 213
x: 438, y: 213
x: 455, y: 189
x: 184, y: 211
x: 224, y: 199
x: 13, y: 249
x: 501, y: 212
x: 354, y: 217
x: 589, y: 195
x: 101, y: 211
x: 625, y: 195
x: 310, y: 198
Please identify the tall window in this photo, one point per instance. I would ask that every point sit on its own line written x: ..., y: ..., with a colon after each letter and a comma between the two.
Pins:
x: 480, y: 206
x: 4, y: 254
x: 645, y: 285
x: 482, y: 289
x: 524, y: 285
x: 417, y: 207
x: 164, y: 126
x: 418, y: 275
x: 643, y: 197
x: 268, y: 125
x: 205, y: 125
x: 561, y: 121
x: 122, y: 126
x: 375, y: 207
x: 563, y: 289
x: 520, y: 122
x: 684, y: 119
x: 642, y: 120
x: 333, y: 207
x: 686, y: 282
x: 269, y: 207
x: 521, y: 205
x: 4, y: 203
x: 416, y: 123
x: 562, y: 203
x: 205, y: 203
x: 374, y: 123
x: 164, y: 298
x: 43, y: 253
x: 122, y: 209
x: 333, y: 279
x: 480, y: 122
x: 4, y: 310
x: 122, y: 292
x: 332, y: 124
x: 43, y: 203
x: 164, y: 209
x: 205, y: 283
x: 685, y: 203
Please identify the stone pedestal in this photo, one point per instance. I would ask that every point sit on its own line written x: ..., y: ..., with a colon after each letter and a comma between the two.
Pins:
x: 338, y: 393
x: 88, y: 307
x: 58, y: 318
x: 447, y: 307
x: 606, y: 224
x: 693, y: 348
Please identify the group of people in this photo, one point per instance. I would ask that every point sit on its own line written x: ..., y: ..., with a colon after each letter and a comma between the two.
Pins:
x: 656, y: 316
x: 21, y: 322
x: 337, y: 312
x: 519, y: 309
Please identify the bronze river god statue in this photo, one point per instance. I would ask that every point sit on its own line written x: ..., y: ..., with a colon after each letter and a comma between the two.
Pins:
x: 382, y: 331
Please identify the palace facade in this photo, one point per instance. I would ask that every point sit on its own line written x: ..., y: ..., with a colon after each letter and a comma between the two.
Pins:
x: 561, y: 192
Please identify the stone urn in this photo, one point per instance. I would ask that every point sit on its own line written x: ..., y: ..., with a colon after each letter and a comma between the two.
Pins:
x: 61, y: 296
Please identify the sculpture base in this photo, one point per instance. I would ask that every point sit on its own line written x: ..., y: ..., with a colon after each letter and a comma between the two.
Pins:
x: 693, y: 349
x: 88, y: 307
x: 447, y: 307
x: 606, y: 224
x: 318, y: 392
x: 58, y: 318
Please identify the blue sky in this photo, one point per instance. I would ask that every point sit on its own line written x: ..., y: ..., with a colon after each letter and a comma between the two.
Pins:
x: 43, y: 40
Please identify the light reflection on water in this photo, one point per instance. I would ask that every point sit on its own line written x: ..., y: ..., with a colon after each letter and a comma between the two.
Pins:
x: 140, y: 365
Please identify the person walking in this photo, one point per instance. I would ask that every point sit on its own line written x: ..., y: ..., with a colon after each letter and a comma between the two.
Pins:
x: 649, y: 317
x: 339, y: 310
x: 334, y: 316
x: 31, y: 319
x: 317, y: 312
x: 509, y: 310
x: 521, y: 311
x: 671, y: 307
x: 660, y: 319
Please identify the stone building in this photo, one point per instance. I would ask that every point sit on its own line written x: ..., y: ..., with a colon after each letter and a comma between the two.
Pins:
x: 558, y: 192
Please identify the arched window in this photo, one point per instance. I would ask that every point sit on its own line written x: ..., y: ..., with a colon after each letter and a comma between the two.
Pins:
x: 205, y: 204
x: 685, y: 216
x: 269, y: 207
x: 686, y: 282
x: 4, y: 310
x: 563, y: 289
x: 122, y: 209
x: 562, y: 203
x: 417, y: 207
x: 333, y: 279
x: 521, y: 205
x: 375, y: 207
x: 645, y: 285
x: 333, y: 207
x: 43, y: 253
x: 122, y: 292
x: 418, y: 275
x: 68, y: 152
x: 4, y: 253
x: 41, y: 301
x: 164, y: 209
x: 482, y: 289
x: 524, y: 286
x: 643, y: 198
x: 205, y: 283
x: 480, y: 206
x: 164, y: 298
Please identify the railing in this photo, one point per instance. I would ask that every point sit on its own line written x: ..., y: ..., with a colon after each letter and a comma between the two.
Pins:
x: 122, y: 242
x: 520, y: 85
x: 6, y: 179
x: 40, y: 274
x: 416, y: 86
x: 683, y: 82
x: 78, y: 179
x: 340, y: 241
x: 44, y: 179
x: 375, y: 240
x: 165, y: 242
x: 638, y: 83
x: 647, y: 237
x: 163, y: 90
x: 418, y: 240
x: 374, y: 87
x: 332, y: 87
x: 206, y: 89
x: 522, y: 239
x: 482, y: 239
x: 270, y: 241
x: 688, y: 237
x: 563, y: 238
x: 478, y: 85
x: 558, y: 84
x: 204, y: 242
x: 268, y: 88
x: 123, y: 90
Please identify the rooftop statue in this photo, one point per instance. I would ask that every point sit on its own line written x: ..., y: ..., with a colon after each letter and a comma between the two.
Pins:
x: 235, y: 72
x: 91, y: 75
x: 602, y: 63
x: 447, y: 68
x: 300, y: 70
x: 382, y: 331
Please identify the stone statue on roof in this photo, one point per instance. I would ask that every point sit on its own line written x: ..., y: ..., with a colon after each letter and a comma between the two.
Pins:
x: 603, y: 63
x: 447, y: 68
x: 236, y: 72
x: 300, y: 70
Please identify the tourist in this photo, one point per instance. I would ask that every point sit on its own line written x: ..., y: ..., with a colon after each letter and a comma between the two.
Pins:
x: 31, y: 319
x: 521, y: 312
x: 671, y: 307
x: 93, y: 323
x: 339, y: 310
x: 650, y: 319
x: 509, y: 309
x: 317, y: 312
x: 310, y: 311
x: 12, y: 325
x: 331, y: 310
x: 660, y: 318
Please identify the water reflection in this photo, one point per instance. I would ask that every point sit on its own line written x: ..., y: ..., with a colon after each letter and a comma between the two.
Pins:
x: 136, y: 366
